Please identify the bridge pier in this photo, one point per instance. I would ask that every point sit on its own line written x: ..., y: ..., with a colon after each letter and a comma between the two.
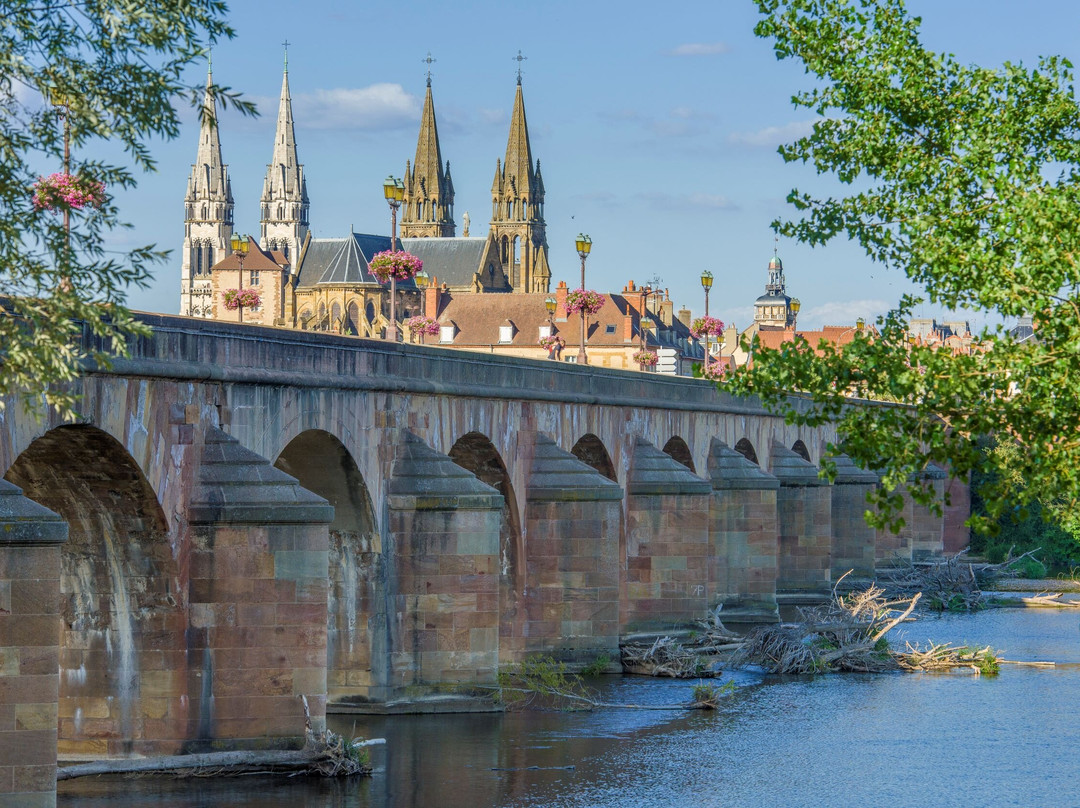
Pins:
x: 258, y: 603
x: 30, y: 539
x: 743, y: 560
x: 573, y: 519
x: 852, y: 538
x: 804, y: 525
x: 665, y: 581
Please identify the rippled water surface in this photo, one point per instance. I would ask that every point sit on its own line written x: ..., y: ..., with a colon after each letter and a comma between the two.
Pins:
x: 839, y: 740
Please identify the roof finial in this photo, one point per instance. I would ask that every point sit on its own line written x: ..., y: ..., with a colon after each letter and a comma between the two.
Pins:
x: 519, y: 59
x: 286, y: 44
x: 209, y: 61
x: 429, y: 60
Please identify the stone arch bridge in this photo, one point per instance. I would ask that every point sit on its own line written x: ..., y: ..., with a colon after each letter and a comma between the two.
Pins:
x: 260, y: 522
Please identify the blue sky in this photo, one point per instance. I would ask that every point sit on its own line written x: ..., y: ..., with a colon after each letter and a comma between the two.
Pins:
x: 656, y: 126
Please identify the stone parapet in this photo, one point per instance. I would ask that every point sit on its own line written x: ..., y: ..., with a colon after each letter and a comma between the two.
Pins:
x: 30, y: 539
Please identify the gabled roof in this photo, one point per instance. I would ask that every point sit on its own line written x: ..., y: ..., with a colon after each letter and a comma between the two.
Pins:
x: 256, y: 259
x: 453, y: 261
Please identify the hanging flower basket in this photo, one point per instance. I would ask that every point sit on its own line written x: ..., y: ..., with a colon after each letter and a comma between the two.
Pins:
x: 584, y: 300
x: 550, y: 343
x: 646, y: 358
x: 422, y: 325
x: 396, y: 264
x: 715, y: 371
x: 58, y: 192
x: 240, y: 299
x: 707, y: 325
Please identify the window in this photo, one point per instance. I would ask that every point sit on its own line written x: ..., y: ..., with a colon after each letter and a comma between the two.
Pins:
x: 609, y: 328
x: 446, y: 333
x: 572, y: 358
x: 545, y: 331
x: 254, y: 277
x: 506, y: 333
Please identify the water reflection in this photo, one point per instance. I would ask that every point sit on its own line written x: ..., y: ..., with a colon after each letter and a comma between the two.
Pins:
x: 903, y: 739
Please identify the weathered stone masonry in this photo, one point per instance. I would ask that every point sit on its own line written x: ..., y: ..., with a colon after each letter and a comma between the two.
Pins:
x: 265, y: 524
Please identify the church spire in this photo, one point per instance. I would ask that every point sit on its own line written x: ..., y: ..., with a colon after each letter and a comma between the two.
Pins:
x: 517, y: 196
x: 428, y: 207
x: 284, y: 219
x: 208, y: 212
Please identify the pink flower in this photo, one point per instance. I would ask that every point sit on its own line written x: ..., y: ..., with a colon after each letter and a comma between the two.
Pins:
x: 707, y: 325
x: 646, y: 358
x: 396, y: 264
x: 422, y: 325
x: 59, y: 191
x: 584, y: 300
x: 240, y: 298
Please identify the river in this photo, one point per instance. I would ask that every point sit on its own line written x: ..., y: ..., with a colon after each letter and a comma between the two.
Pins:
x: 836, y: 740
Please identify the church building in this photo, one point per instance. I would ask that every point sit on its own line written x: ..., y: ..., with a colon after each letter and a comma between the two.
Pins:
x: 324, y: 283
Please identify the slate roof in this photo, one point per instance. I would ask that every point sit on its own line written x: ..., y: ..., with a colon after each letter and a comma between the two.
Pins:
x: 453, y: 261
x: 342, y: 260
x: 256, y: 259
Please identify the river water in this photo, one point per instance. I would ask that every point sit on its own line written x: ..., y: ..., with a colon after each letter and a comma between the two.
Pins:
x: 837, y: 740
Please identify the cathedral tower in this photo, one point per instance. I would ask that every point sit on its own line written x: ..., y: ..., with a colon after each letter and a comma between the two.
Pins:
x: 517, y: 218
x: 428, y: 207
x: 208, y: 215
x: 284, y: 219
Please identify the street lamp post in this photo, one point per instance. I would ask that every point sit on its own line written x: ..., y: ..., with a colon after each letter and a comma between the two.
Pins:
x: 422, y: 279
x: 240, y: 248
x: 551, y: 304
x: 795, y: 306
x: 394, y: 191
x: 706, y: 284
x: 584, y: 246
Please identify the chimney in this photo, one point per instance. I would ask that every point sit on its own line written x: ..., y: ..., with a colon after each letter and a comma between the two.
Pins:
x: 560, y: 302
x: 633, y: 296
x: 666, y: 311
x: 628, y: 327
x: 686, y: 317
x: 431, y: 302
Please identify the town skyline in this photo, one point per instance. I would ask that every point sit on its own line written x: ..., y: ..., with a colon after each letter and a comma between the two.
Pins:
x: 658, y: 141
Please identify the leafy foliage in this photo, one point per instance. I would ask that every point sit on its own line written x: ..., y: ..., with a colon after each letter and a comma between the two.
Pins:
x: 116, y: 68
x: 965, y: 178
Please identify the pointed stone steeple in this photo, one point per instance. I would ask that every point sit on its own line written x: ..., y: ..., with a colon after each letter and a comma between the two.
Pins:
x: 208, y: 214
x: 428, y: 207
x: 284, y: 220
x: 517, y: 219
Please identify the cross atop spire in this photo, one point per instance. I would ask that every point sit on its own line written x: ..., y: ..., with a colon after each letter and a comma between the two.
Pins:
x: 519, y: 59
x: 429, y: 60
x: 209, y: 62
x: 286, y: 44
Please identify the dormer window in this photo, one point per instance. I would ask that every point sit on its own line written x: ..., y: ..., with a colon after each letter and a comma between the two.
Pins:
x: 506, y: 332
x: 447, y: 333
x: 545, y: 331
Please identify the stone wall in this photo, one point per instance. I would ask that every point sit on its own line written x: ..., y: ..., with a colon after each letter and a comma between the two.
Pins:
x: 30, y: 539
x: 804, y: 525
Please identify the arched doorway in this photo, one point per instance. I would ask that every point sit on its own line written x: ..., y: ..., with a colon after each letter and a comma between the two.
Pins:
x: 590, y: 449
x: 355, y: 624
x: 476, y: 453
x: 122, y: 639
x: 677, y: 449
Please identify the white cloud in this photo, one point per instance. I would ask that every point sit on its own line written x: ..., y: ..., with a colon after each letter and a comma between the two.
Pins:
x: 773, y: 136
x: 695, y: 200
x: 845, y: 312
x: 680, y: 122
x: 700, y: 49
x: 375, y: 107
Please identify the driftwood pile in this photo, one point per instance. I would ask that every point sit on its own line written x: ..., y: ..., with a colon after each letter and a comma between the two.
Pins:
x: 692, y: 657
x: 952, y: 584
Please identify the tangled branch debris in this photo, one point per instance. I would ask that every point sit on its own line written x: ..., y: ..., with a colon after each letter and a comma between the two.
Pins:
x: 953, y: 584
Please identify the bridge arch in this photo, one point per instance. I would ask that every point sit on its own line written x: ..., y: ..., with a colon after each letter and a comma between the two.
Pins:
x: 677, y: 449
x: 799, y: 448
x: 324, y: 466
x: 591, y: 450
x: 475, y: 452
x: 746, y: 449
x: 121, y: 603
